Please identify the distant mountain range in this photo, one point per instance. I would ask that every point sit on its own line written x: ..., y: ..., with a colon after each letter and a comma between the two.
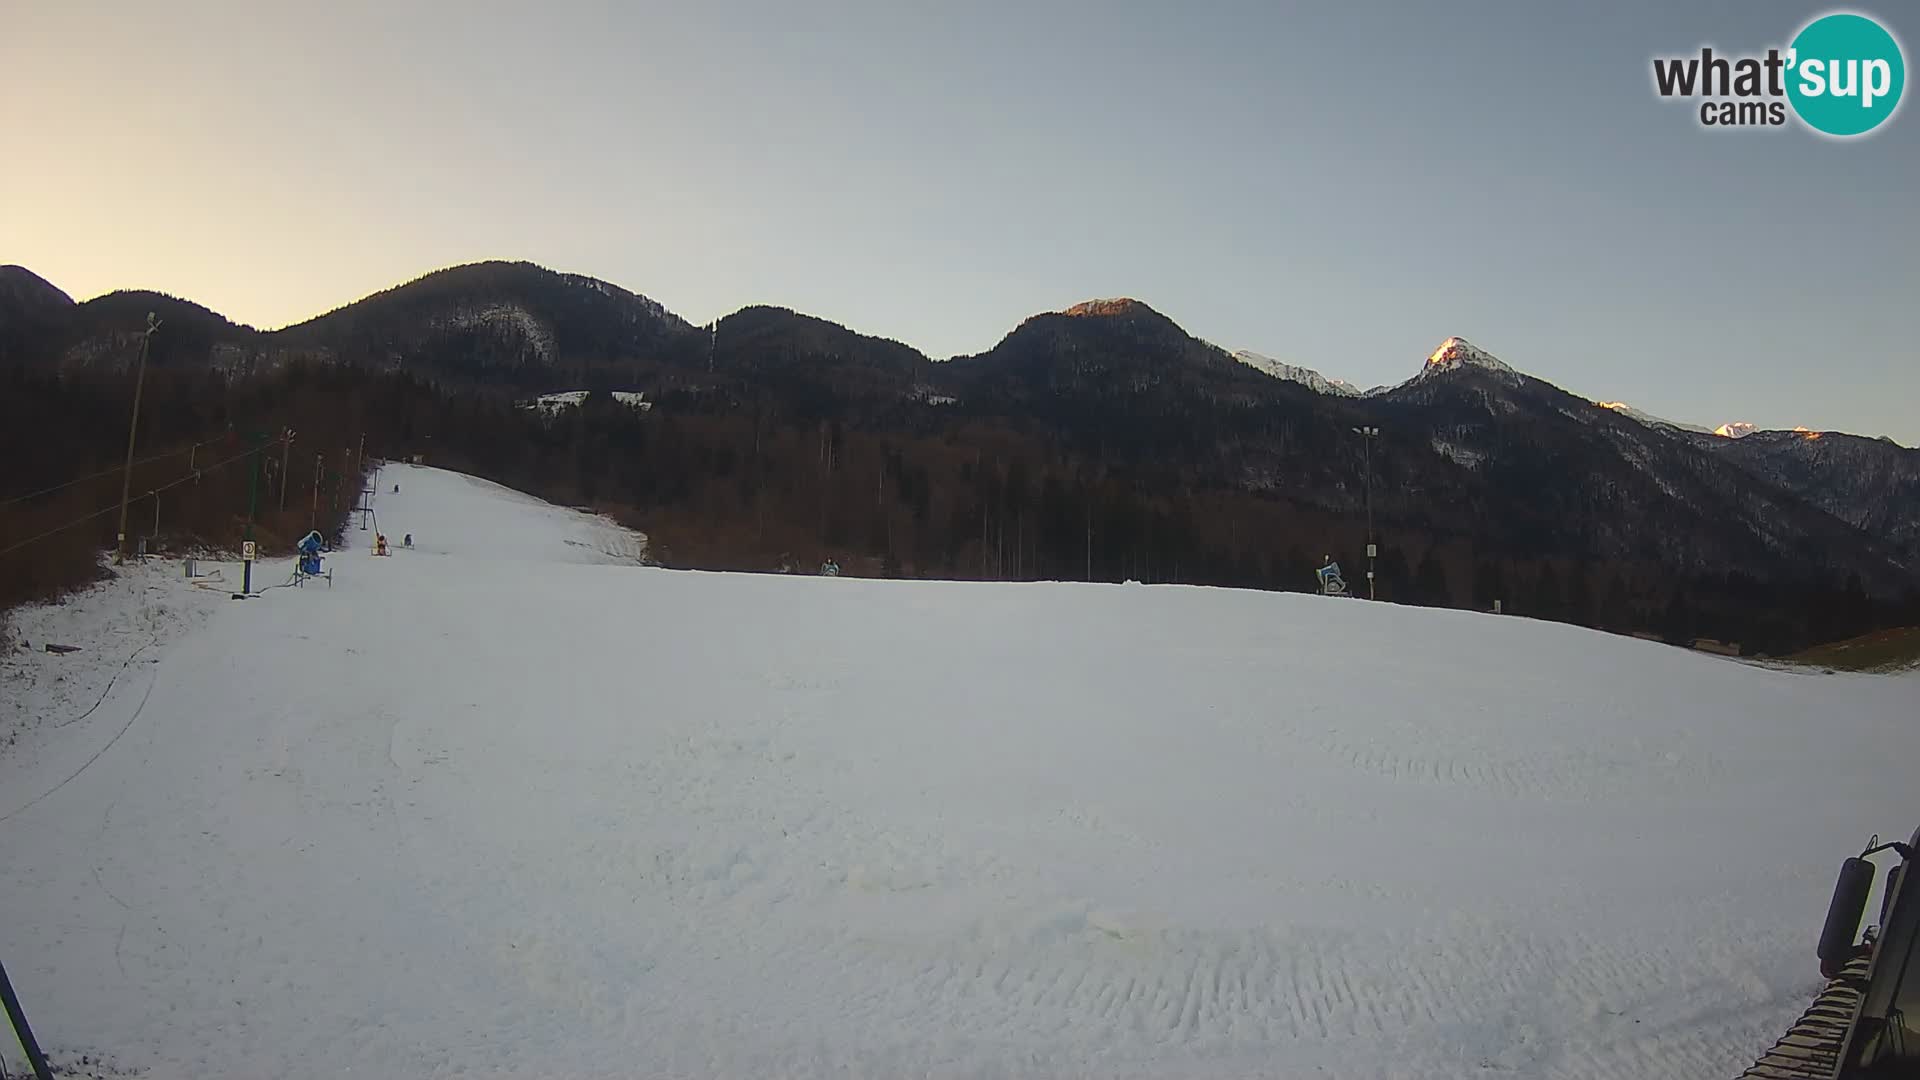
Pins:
x: 1314, y: 380
x: 1471, y: 448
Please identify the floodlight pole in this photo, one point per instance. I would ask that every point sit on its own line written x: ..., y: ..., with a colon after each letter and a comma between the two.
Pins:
x: 1367, y: 435
x: 286, y: 444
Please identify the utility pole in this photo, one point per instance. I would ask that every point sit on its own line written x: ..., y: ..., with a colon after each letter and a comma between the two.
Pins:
x: 1367, y: 435
x: 313, y: 522
x: 133, y: 425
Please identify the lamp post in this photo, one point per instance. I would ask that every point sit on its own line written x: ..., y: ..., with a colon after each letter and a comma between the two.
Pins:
x: 1367, y: 435
x: 286, y: 444
x: 193, y: 455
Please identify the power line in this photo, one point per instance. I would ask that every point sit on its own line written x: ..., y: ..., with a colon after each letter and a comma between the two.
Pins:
x: 102, y: 512
x: 60, y: 529
x: 91, y: 476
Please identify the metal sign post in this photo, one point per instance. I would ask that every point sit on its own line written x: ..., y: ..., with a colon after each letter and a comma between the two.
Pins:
x: 247, y: 548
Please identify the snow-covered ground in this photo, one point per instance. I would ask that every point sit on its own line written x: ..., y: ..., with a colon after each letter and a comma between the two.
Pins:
x: 509, y: 804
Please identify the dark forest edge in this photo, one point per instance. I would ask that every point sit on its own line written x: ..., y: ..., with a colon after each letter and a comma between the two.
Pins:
x: 1107, y: 445
x: 722, y: 488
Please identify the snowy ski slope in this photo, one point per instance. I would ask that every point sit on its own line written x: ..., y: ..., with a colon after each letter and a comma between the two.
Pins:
x: 510, y: 804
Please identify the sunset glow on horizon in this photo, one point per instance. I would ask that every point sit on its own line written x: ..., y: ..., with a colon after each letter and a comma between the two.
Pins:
x: 937, y: 179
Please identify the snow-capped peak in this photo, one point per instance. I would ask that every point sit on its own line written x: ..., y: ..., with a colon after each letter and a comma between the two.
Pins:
x: 1740, y: 429
x: 1306, y: 377
x: 1458, y: 352
x: 1116, y: 305
x: 1646, y: 418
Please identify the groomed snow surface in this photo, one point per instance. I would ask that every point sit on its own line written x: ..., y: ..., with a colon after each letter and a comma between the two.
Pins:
x: 510, y: 804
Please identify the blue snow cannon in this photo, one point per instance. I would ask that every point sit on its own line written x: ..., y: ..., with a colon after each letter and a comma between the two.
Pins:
x: 309, y: 548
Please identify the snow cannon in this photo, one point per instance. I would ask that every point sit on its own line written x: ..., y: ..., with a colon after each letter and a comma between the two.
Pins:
x: 1331, y: 581
x: 309, y: 548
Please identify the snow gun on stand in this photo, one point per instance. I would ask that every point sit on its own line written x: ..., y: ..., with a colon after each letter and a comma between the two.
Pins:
x: 307, y: 566
x: 1866, y: 1023
x: 1331, y: 583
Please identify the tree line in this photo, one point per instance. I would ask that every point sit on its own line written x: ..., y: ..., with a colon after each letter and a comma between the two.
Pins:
x: 733, y: 478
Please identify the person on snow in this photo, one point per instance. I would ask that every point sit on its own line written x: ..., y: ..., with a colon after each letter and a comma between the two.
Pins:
x: 380, y: 544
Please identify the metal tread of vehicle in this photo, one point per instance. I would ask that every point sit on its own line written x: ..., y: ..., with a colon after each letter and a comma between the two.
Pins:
x: 1866, y: 1023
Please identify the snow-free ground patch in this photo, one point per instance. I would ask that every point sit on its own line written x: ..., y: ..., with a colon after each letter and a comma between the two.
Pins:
x: 509, y: 804
x: 1882, y: 650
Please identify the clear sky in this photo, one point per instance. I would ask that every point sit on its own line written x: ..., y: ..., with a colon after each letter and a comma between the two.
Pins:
x: 1337, y: 185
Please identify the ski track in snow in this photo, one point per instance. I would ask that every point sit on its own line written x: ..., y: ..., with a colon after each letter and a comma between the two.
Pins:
x: 508, y: 804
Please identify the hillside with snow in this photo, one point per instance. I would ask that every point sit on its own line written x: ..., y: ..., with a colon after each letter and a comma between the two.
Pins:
x: 510, y: 803
x: 572, y: 399
x: 1306, y: 377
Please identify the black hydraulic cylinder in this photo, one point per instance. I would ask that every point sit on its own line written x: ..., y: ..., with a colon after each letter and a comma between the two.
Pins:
x: 1843, y: 915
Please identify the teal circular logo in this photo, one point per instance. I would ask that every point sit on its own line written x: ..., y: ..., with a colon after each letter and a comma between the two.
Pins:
x: 1845, y: 74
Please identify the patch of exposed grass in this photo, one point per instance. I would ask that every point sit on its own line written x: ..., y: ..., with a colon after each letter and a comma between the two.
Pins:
x: 1882, y: 650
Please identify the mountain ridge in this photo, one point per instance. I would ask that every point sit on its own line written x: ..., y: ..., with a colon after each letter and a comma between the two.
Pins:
x: 314, y: 333
x: 1474, y: 453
